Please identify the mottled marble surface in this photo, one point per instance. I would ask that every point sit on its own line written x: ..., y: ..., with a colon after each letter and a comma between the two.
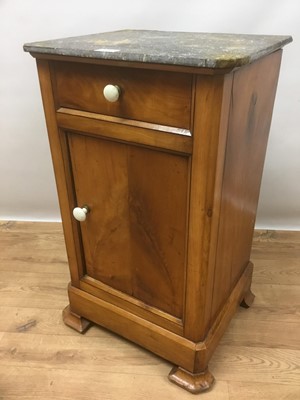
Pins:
x: 212, y: 50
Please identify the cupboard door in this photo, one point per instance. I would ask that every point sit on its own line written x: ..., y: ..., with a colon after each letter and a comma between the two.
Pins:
x: 134, y: 237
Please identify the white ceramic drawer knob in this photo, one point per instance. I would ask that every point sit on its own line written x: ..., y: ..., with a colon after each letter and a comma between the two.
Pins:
x: 80, y: 213
x: 111, y: 93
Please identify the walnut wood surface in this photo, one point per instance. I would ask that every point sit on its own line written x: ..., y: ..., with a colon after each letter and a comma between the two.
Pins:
x: 132, y: 304
x: 63, y: 179
x: 193, y: 357
x: 171, y: 219
x: 134, y: 237
x: 98, y: 126
x: 152, y: 96
x: 212, y: 97
x: 252, y: 99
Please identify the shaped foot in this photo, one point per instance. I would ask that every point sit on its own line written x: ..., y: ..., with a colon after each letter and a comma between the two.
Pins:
x: 76, y: 322
x: 248, y: 299
x: 194, y: 383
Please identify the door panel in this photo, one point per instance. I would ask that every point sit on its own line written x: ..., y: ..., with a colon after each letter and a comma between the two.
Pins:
x: 134, y: 237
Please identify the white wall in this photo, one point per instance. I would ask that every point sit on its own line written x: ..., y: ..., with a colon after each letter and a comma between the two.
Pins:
x: 27, y: 189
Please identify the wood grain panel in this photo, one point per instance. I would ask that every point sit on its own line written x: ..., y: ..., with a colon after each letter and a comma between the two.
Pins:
x: 135, y: 236
x: 131, y: 304
x: 152, y: 96
x: 253, y: 94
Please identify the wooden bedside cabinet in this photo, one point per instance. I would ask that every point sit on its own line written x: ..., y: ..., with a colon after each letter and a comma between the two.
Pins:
x: 158, y: 142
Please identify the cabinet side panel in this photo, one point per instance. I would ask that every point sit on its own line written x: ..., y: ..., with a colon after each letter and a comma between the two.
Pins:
x: 253, y: 94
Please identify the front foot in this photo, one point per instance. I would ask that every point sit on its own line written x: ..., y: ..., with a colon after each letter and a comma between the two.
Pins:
x: 194, y: 383
x: 248, y: 299
x: 74, y: 321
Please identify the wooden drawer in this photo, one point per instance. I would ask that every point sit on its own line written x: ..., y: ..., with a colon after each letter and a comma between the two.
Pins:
x: 153, y: 96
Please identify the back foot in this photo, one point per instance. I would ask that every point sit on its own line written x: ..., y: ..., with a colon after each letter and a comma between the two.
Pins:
x: 248, y: 299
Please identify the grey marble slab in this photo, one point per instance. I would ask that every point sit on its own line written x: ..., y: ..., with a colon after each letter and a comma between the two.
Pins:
x: 212, y: 50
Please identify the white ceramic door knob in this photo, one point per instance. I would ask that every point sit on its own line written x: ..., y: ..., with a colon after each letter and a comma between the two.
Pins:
x: 80, y: 213
x: 111, y: 93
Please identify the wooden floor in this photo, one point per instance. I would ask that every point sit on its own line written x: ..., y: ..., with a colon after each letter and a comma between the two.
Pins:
x: 40, y: 358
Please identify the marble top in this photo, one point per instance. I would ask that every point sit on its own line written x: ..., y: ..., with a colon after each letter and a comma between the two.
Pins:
x: 210, y: 50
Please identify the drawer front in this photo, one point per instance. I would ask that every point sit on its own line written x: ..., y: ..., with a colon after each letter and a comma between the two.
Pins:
x: 159, y: 97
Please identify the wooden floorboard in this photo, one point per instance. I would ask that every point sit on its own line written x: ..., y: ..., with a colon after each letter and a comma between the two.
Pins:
x: 41, y: 358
